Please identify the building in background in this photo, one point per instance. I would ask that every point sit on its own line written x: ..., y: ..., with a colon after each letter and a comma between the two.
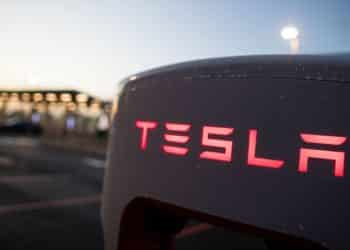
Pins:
x: 57, y: 112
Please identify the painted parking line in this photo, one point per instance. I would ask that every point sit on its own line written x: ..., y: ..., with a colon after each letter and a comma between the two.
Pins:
x: 29, y: 206
x: 95, y: 163
x: 192, y: 230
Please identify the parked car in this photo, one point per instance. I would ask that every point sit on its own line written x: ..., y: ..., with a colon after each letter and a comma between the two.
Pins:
x: 19, y: 126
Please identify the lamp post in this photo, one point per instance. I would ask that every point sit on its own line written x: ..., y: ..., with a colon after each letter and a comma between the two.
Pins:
x: 290, y: 34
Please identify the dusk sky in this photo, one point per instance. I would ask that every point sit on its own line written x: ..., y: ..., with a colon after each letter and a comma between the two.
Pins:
x: 91, y: 45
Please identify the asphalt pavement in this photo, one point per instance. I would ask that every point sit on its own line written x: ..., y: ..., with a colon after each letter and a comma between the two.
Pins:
x: 50, y: 199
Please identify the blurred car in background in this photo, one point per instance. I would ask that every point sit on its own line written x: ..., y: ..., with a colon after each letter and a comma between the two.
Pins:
x: 18, y: 126
x: 102, y: 126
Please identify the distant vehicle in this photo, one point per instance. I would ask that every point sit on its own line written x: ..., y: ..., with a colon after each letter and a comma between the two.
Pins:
x: 17, y: 126
x: 255, y: 144
x: 102, y: 126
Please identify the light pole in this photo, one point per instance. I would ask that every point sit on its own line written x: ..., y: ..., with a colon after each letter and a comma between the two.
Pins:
x: 291, y: 33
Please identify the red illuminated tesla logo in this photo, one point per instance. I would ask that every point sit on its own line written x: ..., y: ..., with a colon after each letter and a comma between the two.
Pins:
x: 217, y: 145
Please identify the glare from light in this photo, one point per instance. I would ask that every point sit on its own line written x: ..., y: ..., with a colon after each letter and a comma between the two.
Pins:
x: 289, y: 33
x: 57, y: 110
x: 13, y: 106
x: 51, y: 97
x: 82, y: 98
x: 4, y: 96
x: 65, y: 97
x: 294, y: 46
x: 82, y: 106
x: 38, y: 97
x: 95, y: 109
x: 14, y: 97
x: 40, y: 107
x: 26, y: 108
x: 95, y: 101
x: 26, y: 97
x: 95, y: 105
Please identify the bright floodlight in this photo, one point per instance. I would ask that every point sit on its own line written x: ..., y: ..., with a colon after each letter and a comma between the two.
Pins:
x: 289, y: 33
